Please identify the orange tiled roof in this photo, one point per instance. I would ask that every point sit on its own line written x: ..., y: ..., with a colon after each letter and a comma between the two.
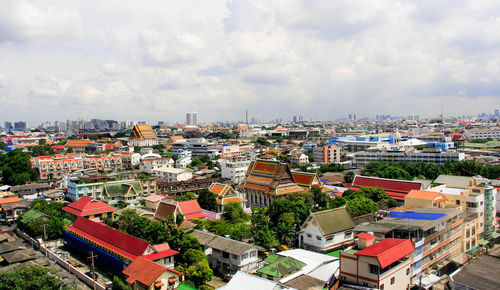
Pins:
x: 429, y: 195
x: 9, y: 200
x: 142, y: 132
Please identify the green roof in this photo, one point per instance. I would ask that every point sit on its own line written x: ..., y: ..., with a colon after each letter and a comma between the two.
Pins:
x: 495, y: 235
x: 280, y: 266
x: 485, y: 242
x: 184, y: 286
x: 489, y: 144
x: 137, y: 187
x: 30, y: 215
x: 66, y: 222
x: 117, y: 189
x: 336, y: 253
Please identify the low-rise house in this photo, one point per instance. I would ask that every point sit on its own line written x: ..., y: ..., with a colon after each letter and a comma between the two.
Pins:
x: 90, y: 208
x: 299, y: 158
x: 148, y: 275
x: 183, y: 162
x: 11, y: 210
x: 173, y: 174
x: 384, y: 265
x: 327, y: 230
x: 225, y: 193
x: 228, y: 254
x: 119, y: 193
x: 153, y: 200
x: 189, y: 209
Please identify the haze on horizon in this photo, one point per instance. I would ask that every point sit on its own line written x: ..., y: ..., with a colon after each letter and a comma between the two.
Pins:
x: 157, y: 60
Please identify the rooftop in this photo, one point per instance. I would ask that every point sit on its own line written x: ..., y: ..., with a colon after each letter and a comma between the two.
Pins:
x: 388, y: 251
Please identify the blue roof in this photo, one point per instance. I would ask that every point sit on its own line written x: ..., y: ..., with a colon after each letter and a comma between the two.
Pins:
x: 417, y: 215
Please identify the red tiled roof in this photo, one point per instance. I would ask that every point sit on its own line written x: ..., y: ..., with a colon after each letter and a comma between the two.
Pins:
x: 388, y: 251
x: 267, y: 156
x: 86, y: 206
x: 265, y: 167
x: 429, y: 195
x: 191, y: 209
x: 9, y: 200
x: 218, y: 189
x: 163, y: 254
x: 161, y: 247
x: 144, y: 271
x: 110, y: 238
x: 156, y: 197
x: 303, y: 178
x: 366, y: 236
x: 397, y: 189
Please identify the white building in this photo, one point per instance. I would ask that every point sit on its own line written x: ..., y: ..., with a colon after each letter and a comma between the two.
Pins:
x: 181, y: 152
x: 440, y: 158
x: 152, y: 161
x: 299, y: 158
x: 183, y: 162
x: 142, y: 135
x: 327, y: 230
x: 224, y: 253
x: 483, y: 133
x: 173, y: 174
x: 234, y: 169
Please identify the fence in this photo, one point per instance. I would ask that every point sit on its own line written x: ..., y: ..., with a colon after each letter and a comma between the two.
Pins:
x: 72, y: 270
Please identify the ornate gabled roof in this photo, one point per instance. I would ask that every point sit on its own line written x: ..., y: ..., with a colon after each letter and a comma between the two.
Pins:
x: 272, y: 177
x: 142, y: 132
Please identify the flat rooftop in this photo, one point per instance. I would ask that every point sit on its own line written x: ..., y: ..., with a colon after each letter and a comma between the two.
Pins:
x: 481, y: 273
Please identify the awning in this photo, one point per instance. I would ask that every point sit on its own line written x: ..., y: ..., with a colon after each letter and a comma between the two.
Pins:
x: 473, y: 250
x: 485, y: 242
x: 495, y: 235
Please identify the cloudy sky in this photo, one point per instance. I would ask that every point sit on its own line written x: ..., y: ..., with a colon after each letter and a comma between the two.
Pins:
x: 156, y: 60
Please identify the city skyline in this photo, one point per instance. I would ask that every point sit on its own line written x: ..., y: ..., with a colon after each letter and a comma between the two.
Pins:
x: 317, y: 59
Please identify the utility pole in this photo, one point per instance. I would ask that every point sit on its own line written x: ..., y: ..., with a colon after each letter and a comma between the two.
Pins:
x: 45, y: 239
x: 92, y: 256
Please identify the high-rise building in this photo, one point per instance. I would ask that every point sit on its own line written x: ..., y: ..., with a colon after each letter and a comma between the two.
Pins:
x: 189, y: 118
x: 20, y: 125
x: 497, y: 113
x: 195, y: 119
x: 295, y: 119
x: 7, y: 125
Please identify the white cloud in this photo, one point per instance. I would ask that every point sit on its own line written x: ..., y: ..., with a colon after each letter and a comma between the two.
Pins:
x: 324, y: 59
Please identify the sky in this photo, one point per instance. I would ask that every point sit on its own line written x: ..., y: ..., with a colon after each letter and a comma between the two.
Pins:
x: 156, y: 60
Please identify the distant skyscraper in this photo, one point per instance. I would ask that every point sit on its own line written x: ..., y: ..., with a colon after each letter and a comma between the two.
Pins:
x: 7, y: 125
x: 350, y: 116
x: 497, y: 113
x: 295, y: 119
x: 195, y: 119
x: 189, y: 118
x: 20, y: 125
x: 301, y: 118
x: 246, y: 116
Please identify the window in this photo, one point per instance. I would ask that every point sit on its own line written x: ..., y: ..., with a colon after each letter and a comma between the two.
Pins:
x: 458, y: 202
x: 225, y: 255
x: 374, y: 269
x: 393, y: 280
x: 309, y: 235
x: 381, y: 287
x: 318, y: 238
x: 347, y: 234
x: 407, y: 271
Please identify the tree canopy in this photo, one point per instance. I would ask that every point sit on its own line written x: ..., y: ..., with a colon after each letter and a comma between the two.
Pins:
x: 16, y: 169
x: 29, y: 277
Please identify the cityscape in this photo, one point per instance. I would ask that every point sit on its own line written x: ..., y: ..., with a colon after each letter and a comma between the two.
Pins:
x: 240, y: 145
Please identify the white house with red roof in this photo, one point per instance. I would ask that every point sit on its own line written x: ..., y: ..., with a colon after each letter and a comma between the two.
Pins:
x: 384, y: 265
x: 90, y: 208
x: 396, y: 189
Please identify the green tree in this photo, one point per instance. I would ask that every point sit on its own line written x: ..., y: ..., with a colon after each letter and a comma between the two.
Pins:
x: 338, y: 201
x: 262, y: 141
x: 16, y: 169
x: 361, y: 206
x: 3, y: 145
x: 118, y: 284
x: 187, y: 196
x: 29, y: 277
x: 320, y: 198
x: 349, y: 176
x: 42, y: 141
x: 207, y: 200
x: 234, y: 212
x: 200, y: 273
x: 240, y: 232
x: 261, y: 232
